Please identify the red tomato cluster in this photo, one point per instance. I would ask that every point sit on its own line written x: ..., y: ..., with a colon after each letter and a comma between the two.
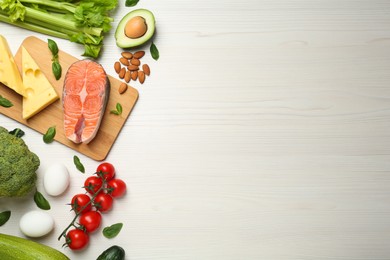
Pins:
x: 101, y: 190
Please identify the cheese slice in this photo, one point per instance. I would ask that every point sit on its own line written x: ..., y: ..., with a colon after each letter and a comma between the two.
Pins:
x: 39, y: 93
x: 9, y: 73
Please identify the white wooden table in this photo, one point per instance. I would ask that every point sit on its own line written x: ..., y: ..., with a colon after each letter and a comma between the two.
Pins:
x: 262, y: 133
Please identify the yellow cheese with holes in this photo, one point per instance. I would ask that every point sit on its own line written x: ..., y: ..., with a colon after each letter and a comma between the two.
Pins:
x: 9, y: 73
x: 39, y: 93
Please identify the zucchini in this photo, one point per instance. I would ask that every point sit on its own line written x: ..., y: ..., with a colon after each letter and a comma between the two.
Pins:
x: 17, y: 248
x: 112, y: 253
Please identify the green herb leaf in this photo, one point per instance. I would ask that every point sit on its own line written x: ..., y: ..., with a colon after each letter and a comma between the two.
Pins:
x: 41, y: 202
x: 118, y: 110
x: 50, y: 134
x: 113, y: 230
x: 154, y: 51
x: 53, y: 47
x: 17, y: 132
x: 57, y: 70
x: 5, y: 102
x: 130, y: 3
x: 78, y: 164
x: 4, y: 217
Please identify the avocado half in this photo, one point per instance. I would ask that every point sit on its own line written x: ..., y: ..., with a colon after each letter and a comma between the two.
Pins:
x: 135, y: 28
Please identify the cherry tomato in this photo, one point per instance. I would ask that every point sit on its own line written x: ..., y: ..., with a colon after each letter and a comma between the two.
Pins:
x: 77, y: 239
x: 92, y: 184
x: 107, y: 169
x: 90, y: 220
x: 116, y: 188
x: 80, y: 201
x: 103, y: 202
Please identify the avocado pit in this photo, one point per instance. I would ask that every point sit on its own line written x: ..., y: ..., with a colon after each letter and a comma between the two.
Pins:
x: 136, y: 27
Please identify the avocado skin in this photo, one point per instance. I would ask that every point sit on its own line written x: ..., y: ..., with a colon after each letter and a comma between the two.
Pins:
x: 123, y: 41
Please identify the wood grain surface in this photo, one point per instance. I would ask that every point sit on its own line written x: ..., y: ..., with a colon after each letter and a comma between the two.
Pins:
x: 111, y: 124
x: 261, y: 134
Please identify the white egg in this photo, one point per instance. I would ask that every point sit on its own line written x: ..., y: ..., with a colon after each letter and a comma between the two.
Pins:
x: 36, y: 223
x: 56, y: 179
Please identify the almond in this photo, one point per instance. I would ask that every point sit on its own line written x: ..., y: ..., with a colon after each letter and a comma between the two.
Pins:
x: 134, y: 75
x: 135, y: 61
x: 146, y: 69
x: 124, y: 61
x: 127, y: 55
x: 128, y: 76
x: 117, y: 67
x: 141, y: 76
x: 132, y: 67
x: 122, y: 73
x: 139, y: 54
x: 122, y: 88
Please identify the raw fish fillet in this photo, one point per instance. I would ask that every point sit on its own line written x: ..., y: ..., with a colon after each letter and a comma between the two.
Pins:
x: 85, y: 95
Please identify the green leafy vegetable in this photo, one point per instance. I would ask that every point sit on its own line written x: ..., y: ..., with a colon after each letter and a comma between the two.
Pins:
x: 118, y: 110
x: 4, y: 217
x: 5, y: 102
x: 154, y: 51
x: 113, y: 230
x: 79, y: 165
x: 55, y: 66
x: 57, y: 70
x: 48, y: 137
x: 82, y: 21
x: 17, y: 132
x: 41, y: 202
x: 52, y: 47
x: 130, y: 3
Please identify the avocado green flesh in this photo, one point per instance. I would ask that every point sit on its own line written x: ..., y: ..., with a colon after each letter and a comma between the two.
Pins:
x: 123, y: 41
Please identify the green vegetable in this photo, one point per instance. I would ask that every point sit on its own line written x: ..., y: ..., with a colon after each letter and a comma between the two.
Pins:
x: 80, y: 21
x: 130, y: 3
x: 4, y: 217
x: 154, y: 51
x: 18, y: 166
x: 12, y: 247
x: 112, y: 253
x: 5, y: 102
x: 113, y: 230
x: 78, y: 164
x: 55, y: 66
x: 41, y: 201
x: 57, y: 70
x: 48, y: 137
x: 17, y: 132
x: 118, y: 109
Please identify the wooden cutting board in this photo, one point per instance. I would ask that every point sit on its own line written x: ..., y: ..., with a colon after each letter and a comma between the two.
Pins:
x: 52, y: 115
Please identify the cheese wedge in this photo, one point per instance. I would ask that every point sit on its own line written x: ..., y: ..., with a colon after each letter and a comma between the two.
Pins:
x: 9, y: 73
x: 39, y: 93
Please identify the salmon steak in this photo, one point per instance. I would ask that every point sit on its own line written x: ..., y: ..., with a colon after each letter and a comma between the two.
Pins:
x: 84, y: 98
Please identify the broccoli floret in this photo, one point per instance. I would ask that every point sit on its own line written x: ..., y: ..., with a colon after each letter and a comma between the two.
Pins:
x: 18, y: 166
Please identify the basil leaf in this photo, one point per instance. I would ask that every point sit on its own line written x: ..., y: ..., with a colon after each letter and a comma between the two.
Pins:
x: 4, y: 217
x: 57, y: 70
x: 113, y: 230
x: 118, y: 110
x: 5, y: 102
x: 50, y: 134
x: 41, y: 202
x: 154, y: 51
x: 130, y: 3
x: 17, y: 132
x: 52, y: 46
x: 78, y: 164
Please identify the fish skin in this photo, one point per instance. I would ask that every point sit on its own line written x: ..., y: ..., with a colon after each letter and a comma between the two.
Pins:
x: 85, y: 95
